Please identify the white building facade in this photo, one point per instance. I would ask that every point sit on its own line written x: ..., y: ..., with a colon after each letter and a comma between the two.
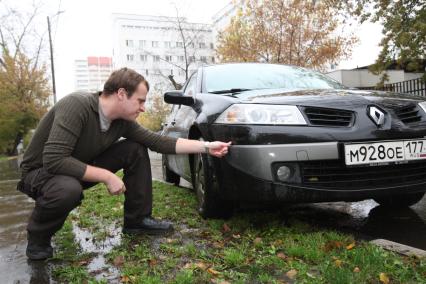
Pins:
x: 157, y: 47
x: 363, y: 78
x: 91, y: 73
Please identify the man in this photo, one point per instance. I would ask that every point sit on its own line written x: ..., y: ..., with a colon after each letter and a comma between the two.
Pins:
x: 76, y: 145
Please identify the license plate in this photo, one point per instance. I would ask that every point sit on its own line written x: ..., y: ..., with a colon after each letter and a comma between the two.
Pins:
x: 385, y: 152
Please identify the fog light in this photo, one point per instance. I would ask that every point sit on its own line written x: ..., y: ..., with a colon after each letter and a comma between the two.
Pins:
x: 283, y: 173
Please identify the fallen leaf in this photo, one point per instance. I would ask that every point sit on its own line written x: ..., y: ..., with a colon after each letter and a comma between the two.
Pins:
x: 118, y: 261
x: 257, y: 241
x: 218, y: 245
x: 188, y: 265
x: 356, y: 269
x: 201, y: 265
x: 223, y: 282
x: 291, y: 273
x: 338, y: 263
x: 226, y: 228
x: 281, y: 255
x: 350, y: 246
x: 213, y: 272
x: 125, y: 279
x: 332, y: 245
x: 384, y: 278
x: 152, y: 262
x: 83, y: 262
x: 236, y: 236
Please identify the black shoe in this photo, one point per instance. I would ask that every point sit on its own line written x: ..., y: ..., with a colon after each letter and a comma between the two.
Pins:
x: 39, y: 248
x: 149, y: 225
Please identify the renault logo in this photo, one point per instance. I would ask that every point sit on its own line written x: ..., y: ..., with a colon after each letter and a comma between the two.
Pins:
x: 376, y: 115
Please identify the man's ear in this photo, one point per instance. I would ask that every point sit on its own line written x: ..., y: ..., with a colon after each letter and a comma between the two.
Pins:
x: 121, y: 93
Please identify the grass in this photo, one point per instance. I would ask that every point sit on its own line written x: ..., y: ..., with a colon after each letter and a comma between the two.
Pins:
x: 252, y: 247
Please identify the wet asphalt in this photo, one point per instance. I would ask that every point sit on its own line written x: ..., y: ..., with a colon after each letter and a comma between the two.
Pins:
x: 364, y: 219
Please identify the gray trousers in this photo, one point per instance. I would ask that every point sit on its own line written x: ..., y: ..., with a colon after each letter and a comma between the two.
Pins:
x: 57, y: 195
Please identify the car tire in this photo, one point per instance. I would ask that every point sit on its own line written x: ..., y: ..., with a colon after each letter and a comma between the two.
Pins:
x: 400, y: 201
x: 168, y: 175
x: 205, y: 184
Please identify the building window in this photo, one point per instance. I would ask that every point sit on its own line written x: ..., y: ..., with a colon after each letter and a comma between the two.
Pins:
x: 142, y: 43
x: 211, y: 46
x: 168, y: 58
x: 130, y: 57
x: 154, y: 43
x: 213, y: 60
x: 146, y: 72
x: 179, y: 44
x: 201, y: 45
x: 181, y: 58
x: 129, y: 43
x: 167, y: 44
x: 191, y: 59
x: 191, y: 44
x: 203, y: 59
x: 156, y: 58
x: 144, y: 57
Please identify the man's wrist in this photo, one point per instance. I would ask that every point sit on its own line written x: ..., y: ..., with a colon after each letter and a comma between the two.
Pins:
x: 206, y: 147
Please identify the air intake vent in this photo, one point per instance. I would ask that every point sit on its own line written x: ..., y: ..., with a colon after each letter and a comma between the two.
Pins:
x: 409, y: 114
x: 334, y: 175
x: 329, y: 117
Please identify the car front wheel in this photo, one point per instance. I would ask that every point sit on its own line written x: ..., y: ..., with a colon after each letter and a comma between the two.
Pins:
x: 168, y: 175
x: 205, y: 184
x: 400, y: 201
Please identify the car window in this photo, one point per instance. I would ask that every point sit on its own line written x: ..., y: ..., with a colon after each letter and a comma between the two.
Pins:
x: 265, y: 76
x: 191, y: 86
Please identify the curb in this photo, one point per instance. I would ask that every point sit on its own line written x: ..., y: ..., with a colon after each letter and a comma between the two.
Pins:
x: 399, y: 248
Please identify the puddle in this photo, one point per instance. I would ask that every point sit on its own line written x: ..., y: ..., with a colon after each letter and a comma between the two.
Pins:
x: 98, y: 267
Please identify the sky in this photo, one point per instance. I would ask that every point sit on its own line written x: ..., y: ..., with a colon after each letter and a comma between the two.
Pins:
x: 83, y: 28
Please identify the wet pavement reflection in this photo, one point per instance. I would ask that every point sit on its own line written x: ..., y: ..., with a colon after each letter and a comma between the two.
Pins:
x: 15, y: 209
x: 364, y: 219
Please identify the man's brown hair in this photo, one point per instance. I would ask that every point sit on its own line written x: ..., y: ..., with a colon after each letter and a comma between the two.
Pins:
x: 125, y: 78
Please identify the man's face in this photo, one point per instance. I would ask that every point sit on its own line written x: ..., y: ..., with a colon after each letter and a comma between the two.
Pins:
x: 131, y: 107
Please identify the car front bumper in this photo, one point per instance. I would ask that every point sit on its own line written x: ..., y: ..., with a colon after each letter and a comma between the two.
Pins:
x: 249, y: 172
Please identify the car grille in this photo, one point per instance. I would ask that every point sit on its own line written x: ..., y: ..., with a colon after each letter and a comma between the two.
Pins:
x: 408, y: 114
x: 329, y: 117
x: 334, y: 175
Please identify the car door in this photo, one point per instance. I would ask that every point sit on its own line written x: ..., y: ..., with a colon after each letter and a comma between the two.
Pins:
x: 179, y: 127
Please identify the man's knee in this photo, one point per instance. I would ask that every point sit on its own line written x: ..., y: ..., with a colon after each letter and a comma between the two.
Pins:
x: 136, y: 151
x: 65, y: 192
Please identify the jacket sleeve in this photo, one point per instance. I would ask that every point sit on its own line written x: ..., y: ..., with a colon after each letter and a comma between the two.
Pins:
x: 150, y: 139
x: 67, y: 125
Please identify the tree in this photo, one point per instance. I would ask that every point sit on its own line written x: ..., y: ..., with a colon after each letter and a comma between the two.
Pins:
x: 404, y: 30
x: 302, y: 33
x: 156, y: 110
x: 189, y: 38
x: 24, y: 88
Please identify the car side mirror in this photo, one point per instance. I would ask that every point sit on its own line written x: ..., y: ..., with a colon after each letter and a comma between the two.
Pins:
x: 177, y: 98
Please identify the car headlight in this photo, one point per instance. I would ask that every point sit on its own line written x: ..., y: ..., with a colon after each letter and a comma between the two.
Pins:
x: 262, y: 114
x: 423, y: 106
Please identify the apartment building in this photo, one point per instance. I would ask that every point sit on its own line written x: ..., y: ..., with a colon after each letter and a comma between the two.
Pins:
x: 158, y: 46
x: 91, y: 73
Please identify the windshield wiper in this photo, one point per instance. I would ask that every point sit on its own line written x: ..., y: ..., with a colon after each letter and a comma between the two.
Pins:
x: 230, y: 91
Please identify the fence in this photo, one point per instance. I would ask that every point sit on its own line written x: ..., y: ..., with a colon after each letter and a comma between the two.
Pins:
x: 413, y: 87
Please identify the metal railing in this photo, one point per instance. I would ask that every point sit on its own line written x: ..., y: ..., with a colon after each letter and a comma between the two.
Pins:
x: 413, y: 87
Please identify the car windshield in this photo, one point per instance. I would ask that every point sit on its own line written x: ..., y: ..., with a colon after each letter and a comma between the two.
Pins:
x: 252, y: 76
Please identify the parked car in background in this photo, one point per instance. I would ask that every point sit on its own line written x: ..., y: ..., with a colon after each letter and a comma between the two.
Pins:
x: 297, y: 136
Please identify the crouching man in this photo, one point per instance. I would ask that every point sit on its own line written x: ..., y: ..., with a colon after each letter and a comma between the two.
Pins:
x: 76, y: 145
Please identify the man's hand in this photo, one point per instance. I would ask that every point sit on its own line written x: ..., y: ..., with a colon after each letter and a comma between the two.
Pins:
x: 217, y: 148
x: 115, y: 185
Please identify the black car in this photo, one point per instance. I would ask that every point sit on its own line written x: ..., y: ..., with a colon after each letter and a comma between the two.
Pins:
x: 297, y: 136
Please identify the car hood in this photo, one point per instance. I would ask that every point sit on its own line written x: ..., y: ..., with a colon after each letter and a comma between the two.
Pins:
x: 344, y: 98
